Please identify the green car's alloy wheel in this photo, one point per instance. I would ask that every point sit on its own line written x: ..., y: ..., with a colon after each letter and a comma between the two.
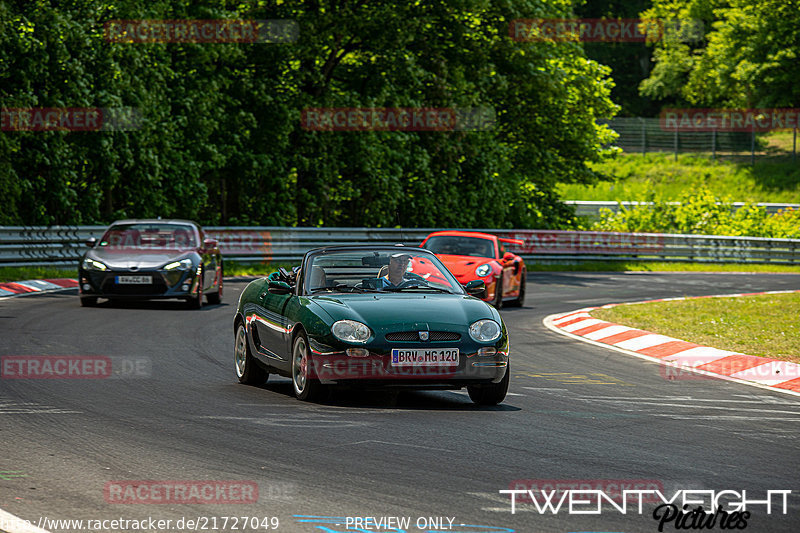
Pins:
x: 247, y: 369
x: 306, y: 388
x: 490, y: 394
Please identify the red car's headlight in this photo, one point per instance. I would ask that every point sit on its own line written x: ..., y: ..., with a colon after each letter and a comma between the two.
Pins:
x: 483, y: 270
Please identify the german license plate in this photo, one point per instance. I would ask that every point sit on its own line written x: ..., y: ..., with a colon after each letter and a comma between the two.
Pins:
x: 134, y: 280
x: 425, y: 357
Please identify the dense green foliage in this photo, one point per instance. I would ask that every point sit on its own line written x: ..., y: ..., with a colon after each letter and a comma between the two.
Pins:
x: 748, y: 58
x: 221, y: 140
x: 630, y: 62
x: 702, y: 213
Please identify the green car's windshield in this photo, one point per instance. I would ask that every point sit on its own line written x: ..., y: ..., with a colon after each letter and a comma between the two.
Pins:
x: 381, y: 270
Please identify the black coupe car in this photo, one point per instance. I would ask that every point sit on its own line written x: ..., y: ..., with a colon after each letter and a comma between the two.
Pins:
x: 149, y: 259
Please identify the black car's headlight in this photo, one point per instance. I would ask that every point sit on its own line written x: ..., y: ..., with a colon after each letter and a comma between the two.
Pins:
x: 183, y: 264
x: 485, y: 330
x: 91, y: 264
x: 483, y: 270
x: 351, y: 331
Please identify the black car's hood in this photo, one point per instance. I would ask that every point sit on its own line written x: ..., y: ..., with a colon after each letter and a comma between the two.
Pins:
x: 400, y: 311
x: 138, y: 259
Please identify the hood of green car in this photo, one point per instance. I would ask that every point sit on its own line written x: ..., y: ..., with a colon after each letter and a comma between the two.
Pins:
x: 403, y: 311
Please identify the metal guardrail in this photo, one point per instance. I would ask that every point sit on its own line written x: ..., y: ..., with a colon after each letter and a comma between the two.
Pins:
x: 63, y: 246
x: 591, y: 208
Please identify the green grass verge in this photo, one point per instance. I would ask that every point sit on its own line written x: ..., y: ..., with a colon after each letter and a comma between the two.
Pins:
x: 30, y: 272
x: 254, y: 269
x: 643, y: 266
x: 763, y: 325
x: 639, y: 177
x: 263, y: 269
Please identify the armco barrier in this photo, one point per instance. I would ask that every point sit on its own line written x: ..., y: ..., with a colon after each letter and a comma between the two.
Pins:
x: 62, y: 245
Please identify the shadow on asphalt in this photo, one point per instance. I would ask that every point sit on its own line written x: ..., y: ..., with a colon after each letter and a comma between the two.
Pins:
x: 415, y: 400
x: 155, y: 305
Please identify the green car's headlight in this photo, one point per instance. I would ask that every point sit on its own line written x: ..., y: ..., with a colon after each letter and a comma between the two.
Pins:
x: 483, y: 270
x: 91, y: 264
x: 183, y: 264
x: 485, y: 330
x: 350, y: 331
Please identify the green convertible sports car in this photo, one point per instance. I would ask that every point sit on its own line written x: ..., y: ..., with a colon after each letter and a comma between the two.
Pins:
x: 374, y: 317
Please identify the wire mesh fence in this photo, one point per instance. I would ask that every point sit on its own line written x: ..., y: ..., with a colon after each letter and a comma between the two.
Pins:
x: 643, y: 135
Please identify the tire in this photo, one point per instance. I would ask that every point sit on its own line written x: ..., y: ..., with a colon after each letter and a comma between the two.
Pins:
x: 215, y: 298
x: 88, y: 301
x: 196, y: 302
x: 498, y: 293
x: 519, y: 301
x: 492, y: 394
x: 247, y: 368
x: 305, y: 388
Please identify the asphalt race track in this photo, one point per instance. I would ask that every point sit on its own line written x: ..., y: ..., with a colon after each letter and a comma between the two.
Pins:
x: 576, y: 412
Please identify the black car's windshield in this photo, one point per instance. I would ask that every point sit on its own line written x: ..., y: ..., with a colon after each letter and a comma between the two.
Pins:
x: 385, y: 270
x: 456, y: 245
x: 149, y: 235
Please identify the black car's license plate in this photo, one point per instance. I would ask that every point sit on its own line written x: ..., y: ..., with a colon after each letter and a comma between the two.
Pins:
x: 133, y: 280
x: 425, y: 357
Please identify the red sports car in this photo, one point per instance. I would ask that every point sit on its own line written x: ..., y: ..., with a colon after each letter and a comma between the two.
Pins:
x: 471, y: 255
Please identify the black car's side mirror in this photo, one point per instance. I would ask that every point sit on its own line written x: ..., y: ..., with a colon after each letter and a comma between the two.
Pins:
x: 476, y: 288
x: 90, y: 242
x: 278, y: 287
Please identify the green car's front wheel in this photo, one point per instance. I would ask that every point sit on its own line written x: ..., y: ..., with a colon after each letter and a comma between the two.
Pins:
x: 306, y: 387
x: 247, y: 369
x: 492, y: 394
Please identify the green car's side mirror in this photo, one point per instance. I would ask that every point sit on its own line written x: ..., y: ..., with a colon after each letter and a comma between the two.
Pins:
x: 278, y: 287
x: 476, y: 288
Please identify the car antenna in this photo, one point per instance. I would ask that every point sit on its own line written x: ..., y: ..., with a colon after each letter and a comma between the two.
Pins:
x: 397, y: 219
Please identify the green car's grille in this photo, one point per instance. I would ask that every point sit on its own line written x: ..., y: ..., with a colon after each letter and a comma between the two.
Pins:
x: 413, y: 336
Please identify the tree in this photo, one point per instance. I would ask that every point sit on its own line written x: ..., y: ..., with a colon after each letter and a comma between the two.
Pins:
x: 748, y: 58
x: 221, y: 139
